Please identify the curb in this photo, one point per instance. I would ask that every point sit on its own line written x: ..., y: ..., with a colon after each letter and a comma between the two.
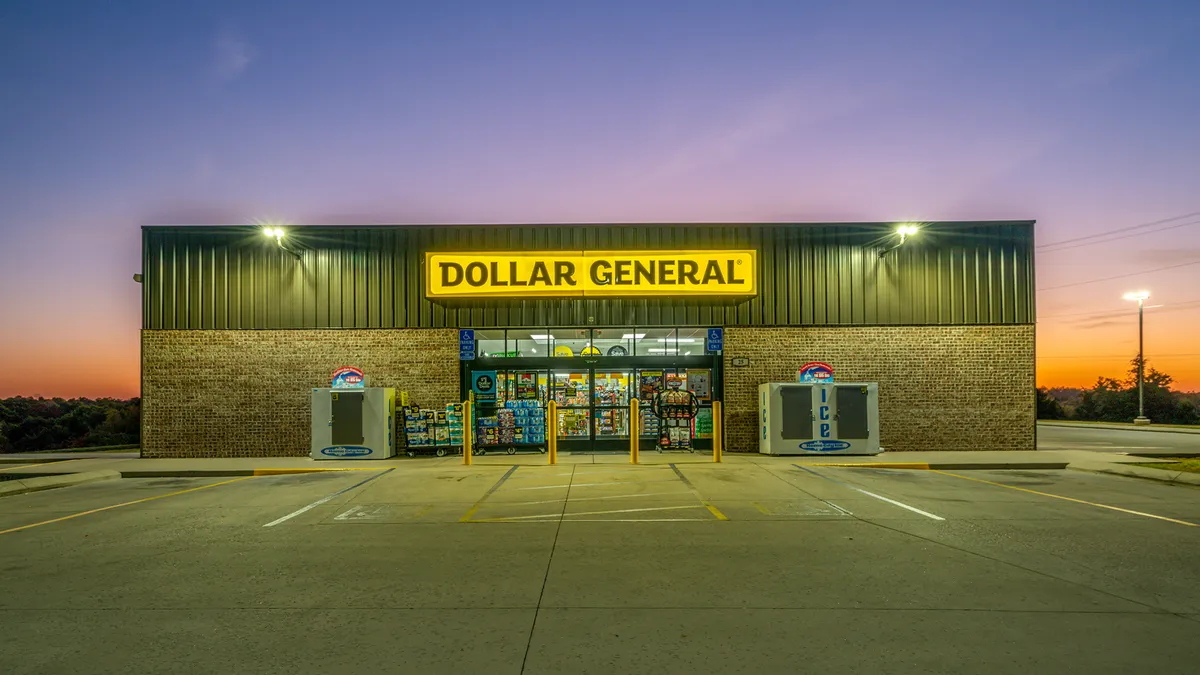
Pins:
x: 1118, y: 427
x: 228, y: 473
x: 946, y: 466
x: 34, y: 484
x: 1160, y: 475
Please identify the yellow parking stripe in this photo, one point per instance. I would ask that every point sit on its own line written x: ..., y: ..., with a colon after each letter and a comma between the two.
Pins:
x: 115, y: 506
x: 26, y: 466
x: 1069, y: 499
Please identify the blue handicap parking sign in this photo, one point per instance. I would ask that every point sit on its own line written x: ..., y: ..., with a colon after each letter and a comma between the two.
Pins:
x: 716, y: 339
x: 466, y: 345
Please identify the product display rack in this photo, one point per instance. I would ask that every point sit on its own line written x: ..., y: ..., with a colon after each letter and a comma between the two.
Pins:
x: 675, y: 410
x: 430, y: 432
x: 514, y: 426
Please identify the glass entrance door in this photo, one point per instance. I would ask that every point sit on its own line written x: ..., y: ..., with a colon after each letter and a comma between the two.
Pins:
x: 610, y: 405
x: 572, y: 391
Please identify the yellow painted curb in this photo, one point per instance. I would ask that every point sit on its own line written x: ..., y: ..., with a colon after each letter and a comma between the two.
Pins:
x: 877, y: 465
x: 284, y: 472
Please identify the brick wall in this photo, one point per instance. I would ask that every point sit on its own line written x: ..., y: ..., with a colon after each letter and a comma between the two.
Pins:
x: 234, y: 393
x: 940, y: 387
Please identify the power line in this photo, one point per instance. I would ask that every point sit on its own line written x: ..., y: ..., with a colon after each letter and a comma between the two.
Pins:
x: 1120, y: 230
x: 1184, y: 304
x: 1120, y: 276
x: 1056, y: 249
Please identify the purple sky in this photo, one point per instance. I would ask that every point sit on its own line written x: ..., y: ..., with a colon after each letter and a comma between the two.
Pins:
x: 1082, y: 115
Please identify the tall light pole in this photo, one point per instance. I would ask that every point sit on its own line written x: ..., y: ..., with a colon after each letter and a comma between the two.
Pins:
x: 1140, y: 296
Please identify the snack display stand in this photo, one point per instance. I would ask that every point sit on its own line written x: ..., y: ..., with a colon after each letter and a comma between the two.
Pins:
x: 675, y: 410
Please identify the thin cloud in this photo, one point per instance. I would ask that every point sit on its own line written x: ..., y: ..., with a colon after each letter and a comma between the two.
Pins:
x: 778, y: 112
x: 232, y: 55
x: 1092, y: 324
x: 1108, y: 67
x: 1168, y: 256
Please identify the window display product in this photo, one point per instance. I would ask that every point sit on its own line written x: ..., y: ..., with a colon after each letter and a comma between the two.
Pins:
x: 518, y: 423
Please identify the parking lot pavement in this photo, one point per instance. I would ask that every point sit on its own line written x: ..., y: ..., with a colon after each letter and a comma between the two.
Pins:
x: 765, y: 566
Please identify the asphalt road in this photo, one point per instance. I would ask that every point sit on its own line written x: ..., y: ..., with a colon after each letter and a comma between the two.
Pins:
x: 759, y: 567
x: 1099, y: 439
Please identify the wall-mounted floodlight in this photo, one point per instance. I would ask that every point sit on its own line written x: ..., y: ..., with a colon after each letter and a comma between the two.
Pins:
x: 903, y: 231
x: 278, y: 234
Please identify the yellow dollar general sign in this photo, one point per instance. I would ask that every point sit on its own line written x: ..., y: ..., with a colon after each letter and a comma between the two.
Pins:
x: 590, y: 273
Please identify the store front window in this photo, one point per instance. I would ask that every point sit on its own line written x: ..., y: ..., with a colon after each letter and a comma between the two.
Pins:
x: 491, y: 343
x: 592, y: 374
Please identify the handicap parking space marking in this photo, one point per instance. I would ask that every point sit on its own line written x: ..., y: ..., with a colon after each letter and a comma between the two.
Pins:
x: 893, y: 502
x: 373, y: 512
x: 1069, y: 499
x: 306, y: 509
x: 364, y: 512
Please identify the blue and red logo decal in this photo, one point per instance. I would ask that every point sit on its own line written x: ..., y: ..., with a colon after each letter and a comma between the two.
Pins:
x: 824, y: 446
x: 816, y: 371
x: 346, y: 451
x: 348, y: 377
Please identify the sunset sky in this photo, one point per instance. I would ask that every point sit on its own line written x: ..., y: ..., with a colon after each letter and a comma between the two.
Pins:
x: 1081, y: 115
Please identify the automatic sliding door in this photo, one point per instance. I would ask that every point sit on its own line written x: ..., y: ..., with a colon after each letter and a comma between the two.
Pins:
x: 610, y: 397
x: 572, y: 391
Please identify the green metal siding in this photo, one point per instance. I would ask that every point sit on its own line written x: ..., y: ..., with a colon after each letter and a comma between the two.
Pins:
x: 371, y: 277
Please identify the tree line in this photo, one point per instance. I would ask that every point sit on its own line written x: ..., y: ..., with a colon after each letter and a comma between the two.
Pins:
x: 1116, y: 400
x: 31, y: 424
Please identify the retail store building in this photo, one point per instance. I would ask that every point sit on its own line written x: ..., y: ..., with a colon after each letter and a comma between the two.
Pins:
x: 238, y: 327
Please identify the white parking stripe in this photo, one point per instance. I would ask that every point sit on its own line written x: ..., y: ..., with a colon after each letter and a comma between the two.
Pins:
x: 893, y: 501
x: 869, y: 494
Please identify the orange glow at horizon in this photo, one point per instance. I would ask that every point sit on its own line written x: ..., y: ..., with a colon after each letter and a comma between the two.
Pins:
x: 1075, y: 351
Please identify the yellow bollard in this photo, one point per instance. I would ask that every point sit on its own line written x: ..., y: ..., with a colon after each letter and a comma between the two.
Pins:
x: 633, y: 431
x: 552, y: 432
x: 718, y: 431
x: 468, y: 429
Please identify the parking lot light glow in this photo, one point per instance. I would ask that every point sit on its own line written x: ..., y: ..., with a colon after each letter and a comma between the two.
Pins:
x: 1137, y: 295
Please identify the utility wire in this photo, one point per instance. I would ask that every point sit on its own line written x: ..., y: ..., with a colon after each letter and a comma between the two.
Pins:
x: 1106, y: 312
x: 1120, y: 230
x: 1120, y: 276
x: 1052, y: 248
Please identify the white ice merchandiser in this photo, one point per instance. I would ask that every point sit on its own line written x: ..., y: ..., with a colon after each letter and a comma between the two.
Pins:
x: 353, y: 423
x: 799, y: 418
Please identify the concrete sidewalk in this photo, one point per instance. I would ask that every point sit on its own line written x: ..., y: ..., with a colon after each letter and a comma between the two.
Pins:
x: 69, y: 470
x: 1119, y: 426
x: 249, y: 466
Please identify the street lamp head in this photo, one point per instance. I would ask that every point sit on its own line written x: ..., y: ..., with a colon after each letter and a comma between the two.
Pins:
x: 1137, y: 295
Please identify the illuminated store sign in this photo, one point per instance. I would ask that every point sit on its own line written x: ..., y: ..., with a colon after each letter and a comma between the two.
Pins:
x: 590, y: 273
